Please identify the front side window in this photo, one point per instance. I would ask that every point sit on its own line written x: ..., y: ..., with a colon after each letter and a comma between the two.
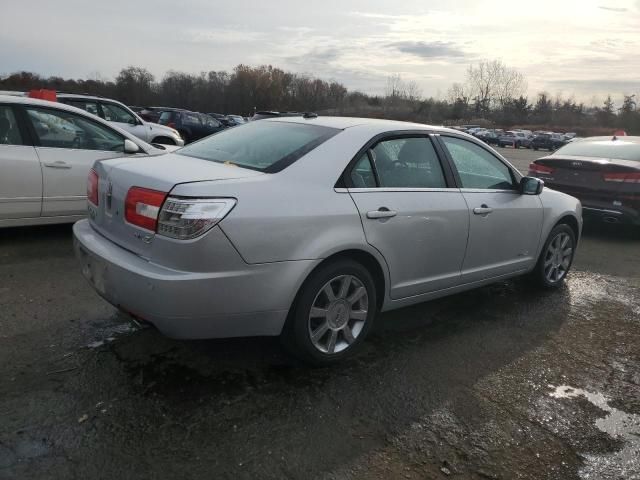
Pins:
x: 477, y: 167
x: 9, y: 132
x: 265, y: 146
x: 115, y: 113
x: 408, y: 163
x: 61, y: 129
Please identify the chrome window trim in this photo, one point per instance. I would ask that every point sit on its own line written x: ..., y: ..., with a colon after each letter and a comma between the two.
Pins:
x: 489, y: 190
x: 400, y: 189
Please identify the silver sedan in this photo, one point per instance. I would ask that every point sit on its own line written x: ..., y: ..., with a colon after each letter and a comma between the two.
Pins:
x: 308, y: 227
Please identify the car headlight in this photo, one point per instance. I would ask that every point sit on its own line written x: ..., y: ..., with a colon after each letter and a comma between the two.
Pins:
x: 186, y: 218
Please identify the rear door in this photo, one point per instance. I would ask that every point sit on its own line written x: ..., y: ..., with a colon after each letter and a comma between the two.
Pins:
x: 20, y: 173
x: 67, y: 145
x: 505, y: 226
x: 411, y: 212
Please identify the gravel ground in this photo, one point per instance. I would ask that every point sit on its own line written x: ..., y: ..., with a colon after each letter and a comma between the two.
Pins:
x: 500, y: 383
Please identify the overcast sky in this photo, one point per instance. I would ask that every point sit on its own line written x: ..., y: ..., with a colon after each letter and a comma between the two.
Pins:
x: 576, y: 47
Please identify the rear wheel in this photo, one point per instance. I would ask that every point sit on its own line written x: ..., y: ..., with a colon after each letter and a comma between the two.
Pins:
x: 556, y: 257
x: 332, y: 313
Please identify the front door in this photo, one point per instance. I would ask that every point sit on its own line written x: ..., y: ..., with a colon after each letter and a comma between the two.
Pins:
x: 20, y: 175
x: 67, y: 146
x: 411, y: 214
x: 505, y: 226
x: 126, y: 120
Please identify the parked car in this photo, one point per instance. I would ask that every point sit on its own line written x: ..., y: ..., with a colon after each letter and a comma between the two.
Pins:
x: 235, y: 120
x: 191, y: 125
x: 46, y: 152
x: 514, y: 139
x: 122, y: 116
x: 547, y: 141
x: 151, y: 114
x: 261, y: 115
x: 308, y: 227
x: 603, y: 172
x: 489, y: 137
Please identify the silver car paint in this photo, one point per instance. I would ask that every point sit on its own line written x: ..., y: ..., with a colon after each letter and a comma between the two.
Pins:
x: 41, y: 185
x: 285, y: 224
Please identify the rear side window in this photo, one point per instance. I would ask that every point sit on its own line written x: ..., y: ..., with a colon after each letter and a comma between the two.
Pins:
x: 265, y: 146
x: 362, y: 175
x: 408, y: 163
x: 9, y: 132
x: 165, y: 117
x: 191, y: 119
x: 91, y: 107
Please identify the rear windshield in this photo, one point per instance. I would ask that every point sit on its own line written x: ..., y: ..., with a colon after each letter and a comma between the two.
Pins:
x: 265, y: 146
x: 616, y: 149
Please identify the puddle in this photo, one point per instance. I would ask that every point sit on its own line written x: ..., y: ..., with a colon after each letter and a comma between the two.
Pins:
x: 110, y: 333
x: 623, y: 464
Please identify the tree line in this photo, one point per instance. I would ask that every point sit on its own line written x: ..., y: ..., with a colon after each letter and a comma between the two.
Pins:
x: 492, y: 94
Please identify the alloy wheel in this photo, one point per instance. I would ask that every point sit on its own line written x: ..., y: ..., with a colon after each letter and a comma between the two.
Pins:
x: 558, y: 256
x: 338, y: 314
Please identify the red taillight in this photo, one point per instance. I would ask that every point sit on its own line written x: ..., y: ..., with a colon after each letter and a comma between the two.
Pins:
x: 92, y: 187
x: 142, y: 205
x: 171, y: 125
x: 536, y: 168
x: 622, y: 177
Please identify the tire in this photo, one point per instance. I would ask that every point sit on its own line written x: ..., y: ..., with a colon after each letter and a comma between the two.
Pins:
x: 548, y: 263
x: 184, y: 136
x: 337, y: 335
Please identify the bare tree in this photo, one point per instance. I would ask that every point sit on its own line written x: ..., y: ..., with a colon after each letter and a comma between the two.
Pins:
x: 493, y: 84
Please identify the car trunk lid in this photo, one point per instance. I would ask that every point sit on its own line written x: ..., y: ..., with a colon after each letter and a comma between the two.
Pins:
x: 160, y: 174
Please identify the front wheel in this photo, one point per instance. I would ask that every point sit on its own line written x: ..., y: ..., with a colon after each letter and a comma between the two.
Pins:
x: 556, y: 257
x: 332, y: 313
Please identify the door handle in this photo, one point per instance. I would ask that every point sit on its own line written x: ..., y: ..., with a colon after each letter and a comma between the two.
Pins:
x: 57, y: 164
x: 382, y: 212
x: 483, y: 210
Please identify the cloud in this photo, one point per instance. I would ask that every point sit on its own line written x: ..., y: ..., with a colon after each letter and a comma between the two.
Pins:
x: 613, y: 9
x: 315, y: 56
x: 430, y: 50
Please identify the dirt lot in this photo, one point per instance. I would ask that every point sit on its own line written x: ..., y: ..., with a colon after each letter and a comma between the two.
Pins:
x: 500, y: 383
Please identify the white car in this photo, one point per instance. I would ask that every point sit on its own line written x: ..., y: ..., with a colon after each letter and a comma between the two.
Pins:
x: 122, y: 116
x: 46, y: 152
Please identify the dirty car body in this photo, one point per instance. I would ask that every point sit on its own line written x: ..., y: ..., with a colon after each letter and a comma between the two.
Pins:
x: 307, y: 227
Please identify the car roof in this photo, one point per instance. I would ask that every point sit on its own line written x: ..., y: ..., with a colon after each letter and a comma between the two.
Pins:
x: 349, y: 122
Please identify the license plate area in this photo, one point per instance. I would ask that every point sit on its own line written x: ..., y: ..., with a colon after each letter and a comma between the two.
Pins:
x: 94, y: 270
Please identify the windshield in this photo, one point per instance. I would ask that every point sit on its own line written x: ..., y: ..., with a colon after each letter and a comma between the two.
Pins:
x: 617, y: 149
x: 264, y: 146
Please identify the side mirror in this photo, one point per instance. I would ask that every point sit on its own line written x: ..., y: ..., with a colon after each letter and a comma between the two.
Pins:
x: 531, y: 186
x: 130, y: 146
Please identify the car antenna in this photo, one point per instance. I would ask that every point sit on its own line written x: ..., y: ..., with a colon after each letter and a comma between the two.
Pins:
x: 310, y: 115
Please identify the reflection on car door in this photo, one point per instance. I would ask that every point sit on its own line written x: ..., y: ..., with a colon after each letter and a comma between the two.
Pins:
x: 505, y: 226
x: 411, y: 213
x: 67, y: 146
x: 20, y: 175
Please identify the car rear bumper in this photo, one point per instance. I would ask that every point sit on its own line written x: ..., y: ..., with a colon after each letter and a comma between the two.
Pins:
x: 602, y: 207
x: 251, y: 300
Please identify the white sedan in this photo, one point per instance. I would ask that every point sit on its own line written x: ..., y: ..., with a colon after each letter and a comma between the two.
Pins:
x: 46, y: 152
